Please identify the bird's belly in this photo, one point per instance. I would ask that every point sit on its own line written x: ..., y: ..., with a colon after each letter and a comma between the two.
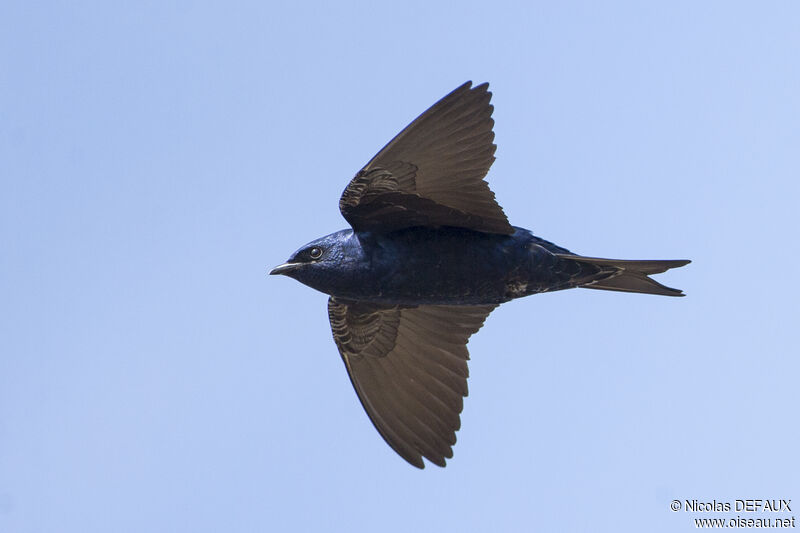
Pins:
x: 452, y: 267
x: 437, y: 285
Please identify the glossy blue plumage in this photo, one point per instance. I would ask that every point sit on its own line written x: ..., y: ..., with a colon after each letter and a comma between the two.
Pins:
x: 450, y: 266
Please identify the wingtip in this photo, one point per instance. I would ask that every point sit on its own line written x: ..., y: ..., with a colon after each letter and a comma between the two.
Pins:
x: 467, y: 85
x: 415, y: 461
x: 482, y: 87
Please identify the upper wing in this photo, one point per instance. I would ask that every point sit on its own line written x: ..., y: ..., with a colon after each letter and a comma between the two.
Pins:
x: 431, y: 173
x: 409, y: 369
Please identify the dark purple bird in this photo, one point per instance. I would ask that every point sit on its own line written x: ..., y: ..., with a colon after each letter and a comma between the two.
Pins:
x: 430, y: 255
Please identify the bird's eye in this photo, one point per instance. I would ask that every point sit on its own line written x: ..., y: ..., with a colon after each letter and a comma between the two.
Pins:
x: 315, y: 252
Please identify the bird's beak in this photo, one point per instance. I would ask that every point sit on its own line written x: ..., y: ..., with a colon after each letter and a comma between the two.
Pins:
x: 284, y: 268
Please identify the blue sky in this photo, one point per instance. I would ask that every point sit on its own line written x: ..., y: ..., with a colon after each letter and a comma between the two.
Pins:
x: 157, y: 158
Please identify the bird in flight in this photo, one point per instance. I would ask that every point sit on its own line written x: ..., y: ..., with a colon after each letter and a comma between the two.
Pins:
x: 429, y: 256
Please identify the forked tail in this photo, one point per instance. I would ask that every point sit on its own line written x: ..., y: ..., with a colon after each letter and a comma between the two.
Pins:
x: 629, y: 276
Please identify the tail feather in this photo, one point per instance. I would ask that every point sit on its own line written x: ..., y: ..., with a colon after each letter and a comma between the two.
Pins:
x: 629, y: 276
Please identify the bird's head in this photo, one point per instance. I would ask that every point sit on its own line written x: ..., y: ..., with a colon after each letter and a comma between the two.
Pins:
x: 317, y: 263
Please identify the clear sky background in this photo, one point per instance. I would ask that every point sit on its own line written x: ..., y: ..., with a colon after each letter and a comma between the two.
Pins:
x: 158, y: 158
